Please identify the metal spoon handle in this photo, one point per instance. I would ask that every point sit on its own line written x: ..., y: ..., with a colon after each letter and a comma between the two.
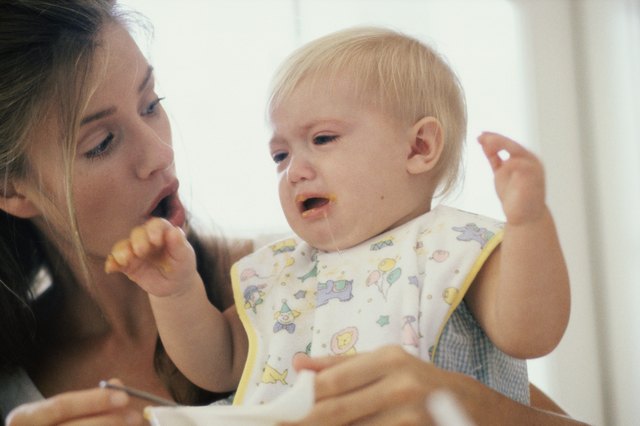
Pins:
x: 139, y: 394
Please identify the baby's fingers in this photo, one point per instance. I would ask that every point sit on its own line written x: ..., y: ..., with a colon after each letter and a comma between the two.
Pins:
x: 120, y: 256
x: 150, y: 238
x: 493, y: 144
x: 139, y: 241
x: 156, y: 229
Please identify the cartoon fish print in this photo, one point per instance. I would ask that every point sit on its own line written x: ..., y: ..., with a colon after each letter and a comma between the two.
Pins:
x: 439, y: 255
x: 272, y: 376
x: 311, y: 274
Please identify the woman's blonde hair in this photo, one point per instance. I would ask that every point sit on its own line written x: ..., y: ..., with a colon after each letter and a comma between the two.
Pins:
x: 398, y: 74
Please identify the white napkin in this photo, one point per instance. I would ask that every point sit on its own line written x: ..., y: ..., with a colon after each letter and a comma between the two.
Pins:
x: 292, y: 405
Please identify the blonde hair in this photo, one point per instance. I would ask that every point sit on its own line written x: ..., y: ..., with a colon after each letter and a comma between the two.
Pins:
x: 398, y: 74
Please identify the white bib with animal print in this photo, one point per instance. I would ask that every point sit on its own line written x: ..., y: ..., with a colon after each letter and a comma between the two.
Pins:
x: 397, y: 288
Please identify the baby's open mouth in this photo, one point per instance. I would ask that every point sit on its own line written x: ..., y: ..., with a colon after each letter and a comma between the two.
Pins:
x: 307, y: 205
x: 314, y: 203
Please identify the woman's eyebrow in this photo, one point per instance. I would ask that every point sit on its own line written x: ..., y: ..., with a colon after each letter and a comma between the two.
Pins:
x: 97, y: 116
x: 101, y: 114
x: 146, y: 79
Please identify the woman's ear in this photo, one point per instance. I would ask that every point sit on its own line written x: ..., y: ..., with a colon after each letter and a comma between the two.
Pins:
x: 14, y: 202
x: 426, y: 145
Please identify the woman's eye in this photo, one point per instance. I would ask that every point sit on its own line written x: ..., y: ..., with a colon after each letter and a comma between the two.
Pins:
x: 324, y: 139
x: 279, y: 157
x: 102, y: 148
x: 152, y: 107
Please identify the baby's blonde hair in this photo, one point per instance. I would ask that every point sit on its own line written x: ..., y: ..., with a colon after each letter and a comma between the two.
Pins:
x: 398, y: 74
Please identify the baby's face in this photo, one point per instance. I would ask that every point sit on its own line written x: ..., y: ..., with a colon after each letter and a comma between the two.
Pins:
x: 342, y: 167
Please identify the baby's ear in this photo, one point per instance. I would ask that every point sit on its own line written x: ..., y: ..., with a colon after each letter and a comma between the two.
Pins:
x: 15, y: 202
x: 426, y: 145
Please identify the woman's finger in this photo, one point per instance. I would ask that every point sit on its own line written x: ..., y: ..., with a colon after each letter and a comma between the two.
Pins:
x: 127, y: 417
x: 362, y: 370
x: 66, y: 407
x: 355, y: 388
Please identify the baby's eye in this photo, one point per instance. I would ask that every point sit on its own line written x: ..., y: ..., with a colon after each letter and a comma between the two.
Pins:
x: 102, y: 148
x: 152, y: 107
x: 324, y: 139
x: 279, y: 157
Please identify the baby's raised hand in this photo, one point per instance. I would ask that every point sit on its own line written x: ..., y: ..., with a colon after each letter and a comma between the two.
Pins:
x: 156, y: 256
x: 519, y: 178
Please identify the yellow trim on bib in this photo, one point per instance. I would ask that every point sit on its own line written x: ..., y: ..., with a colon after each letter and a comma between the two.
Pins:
x: 251, y: 336
x: 482, y: 258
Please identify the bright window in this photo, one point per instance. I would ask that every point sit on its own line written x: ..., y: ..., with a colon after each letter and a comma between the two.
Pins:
x: 214, y: 60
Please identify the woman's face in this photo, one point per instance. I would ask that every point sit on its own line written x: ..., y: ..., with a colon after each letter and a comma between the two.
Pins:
x: 124, y: 168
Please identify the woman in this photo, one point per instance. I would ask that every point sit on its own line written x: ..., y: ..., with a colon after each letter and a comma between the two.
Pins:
x: 85, y: 156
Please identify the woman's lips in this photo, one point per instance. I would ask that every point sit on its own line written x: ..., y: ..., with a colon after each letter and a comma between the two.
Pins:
x: 176, y: 214
x: 169, y: 206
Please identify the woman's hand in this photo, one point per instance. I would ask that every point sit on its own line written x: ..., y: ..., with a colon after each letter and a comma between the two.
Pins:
x: 391, y: 387
x: 90, y: 407
x: 385, y: 387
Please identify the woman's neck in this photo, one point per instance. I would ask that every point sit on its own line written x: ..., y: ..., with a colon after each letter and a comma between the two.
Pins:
x: 96, y: 303
x: 96, y: 331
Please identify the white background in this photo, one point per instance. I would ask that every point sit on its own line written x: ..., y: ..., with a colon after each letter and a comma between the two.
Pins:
x: 561, y: 76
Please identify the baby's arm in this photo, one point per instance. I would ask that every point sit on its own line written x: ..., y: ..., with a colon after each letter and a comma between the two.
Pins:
x: 207, y: 345
x: 521, y: 296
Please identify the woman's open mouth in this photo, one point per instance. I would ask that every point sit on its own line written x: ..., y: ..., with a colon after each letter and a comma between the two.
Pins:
x: 171, y: 209
x: 163, y: 209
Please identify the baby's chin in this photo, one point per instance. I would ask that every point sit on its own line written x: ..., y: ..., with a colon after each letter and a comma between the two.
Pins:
x: 332, y: 244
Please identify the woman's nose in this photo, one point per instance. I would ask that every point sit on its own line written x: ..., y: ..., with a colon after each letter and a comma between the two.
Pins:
x: 299, y: 169
x: 157, y: 152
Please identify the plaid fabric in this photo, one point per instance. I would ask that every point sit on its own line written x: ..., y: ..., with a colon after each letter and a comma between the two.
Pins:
x: 463, y: 347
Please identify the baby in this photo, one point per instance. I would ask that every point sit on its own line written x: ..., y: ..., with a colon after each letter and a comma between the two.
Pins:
x: 368, y: 126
